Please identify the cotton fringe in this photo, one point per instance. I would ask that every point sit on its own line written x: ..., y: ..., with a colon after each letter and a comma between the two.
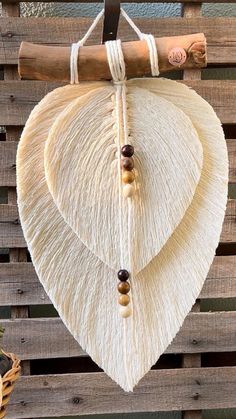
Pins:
x: 175, y: 257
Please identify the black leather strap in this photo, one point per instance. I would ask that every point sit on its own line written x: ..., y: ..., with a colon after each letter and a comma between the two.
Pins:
x: 111, y: 20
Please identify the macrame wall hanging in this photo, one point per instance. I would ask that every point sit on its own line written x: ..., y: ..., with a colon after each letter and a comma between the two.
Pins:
x: 122, y: 190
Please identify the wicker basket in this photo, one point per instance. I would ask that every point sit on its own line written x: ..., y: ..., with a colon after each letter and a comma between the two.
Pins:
x: 8, y: 381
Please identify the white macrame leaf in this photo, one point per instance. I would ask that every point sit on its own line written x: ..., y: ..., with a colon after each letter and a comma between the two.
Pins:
x: 82, y: 172
x: 82, y: 288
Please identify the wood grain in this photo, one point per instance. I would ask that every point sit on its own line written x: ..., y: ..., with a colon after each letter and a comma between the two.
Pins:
x: 219, y: 31
x: 19, y: 284
x: 11, y: 234
x: 160, y: 390
x: 8, y: 162
x: 39, y: 338
x: 19, y: 97
x: 52, y: 63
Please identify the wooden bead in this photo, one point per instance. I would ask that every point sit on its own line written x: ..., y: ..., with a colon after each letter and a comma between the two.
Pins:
x: 127, y: 150
x: 125, y: 311
x: 127, y: 163
x: 128, y: 177
x: 123, y: 299
x: 123, y: 287
x: 123, y: 275
x: 128, y: 190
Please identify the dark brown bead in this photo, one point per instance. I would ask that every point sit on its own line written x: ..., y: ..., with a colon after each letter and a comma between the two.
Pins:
x: 123, y: 287
x: 127, y: 163
x: 123, y: 275
x: 127, y: 150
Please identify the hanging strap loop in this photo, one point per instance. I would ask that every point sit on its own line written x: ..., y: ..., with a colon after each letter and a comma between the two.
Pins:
x: 151, y: 43
x: 74, y: 76
x: 113, y: 50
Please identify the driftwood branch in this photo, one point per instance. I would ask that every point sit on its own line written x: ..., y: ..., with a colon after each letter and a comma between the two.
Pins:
x: 40, y: 62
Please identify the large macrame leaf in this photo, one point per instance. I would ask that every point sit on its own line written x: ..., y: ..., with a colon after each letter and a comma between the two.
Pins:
x: 82, y: 287
x: 81, y: 166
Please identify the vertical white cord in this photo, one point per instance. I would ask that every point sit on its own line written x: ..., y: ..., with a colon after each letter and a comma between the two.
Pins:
x: 74, y: 76
x: 117, y: 69
x: 151, y: 43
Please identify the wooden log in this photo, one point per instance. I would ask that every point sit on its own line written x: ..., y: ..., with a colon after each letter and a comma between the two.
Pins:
x: 52, y: 63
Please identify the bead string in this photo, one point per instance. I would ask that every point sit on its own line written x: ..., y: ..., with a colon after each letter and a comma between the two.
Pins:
x: 126, y: 174
x: 125, y: 168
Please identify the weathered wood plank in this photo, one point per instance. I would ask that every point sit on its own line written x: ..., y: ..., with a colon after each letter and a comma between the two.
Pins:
x: 228, y: 234
x: 11, y: 234
x: 219, y: 31
x: 7, y: 163
x: 40, y: 338
x: 221, y: 279
x: 160, y: 390
x: 19, y: 284
x: 8, y: 160
x: 231, y: 145
x: 19, y: 97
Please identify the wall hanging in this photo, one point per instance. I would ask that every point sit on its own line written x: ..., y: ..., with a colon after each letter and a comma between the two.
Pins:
x: 122, y: 189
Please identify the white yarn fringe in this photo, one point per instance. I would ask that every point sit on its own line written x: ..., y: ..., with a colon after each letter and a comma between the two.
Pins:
x: 79, y: 284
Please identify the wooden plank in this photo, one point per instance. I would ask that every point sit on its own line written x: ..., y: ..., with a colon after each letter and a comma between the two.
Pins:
x: 11, y: 234
x: 231, y: 145
x: 160, y: 390
x: 8, y: 160
x: 219, y: 31
x: 19, y: 284
x: 228, y: 234
x: 192, y: 10
x: 40, y: 338
x: 18, y: 98
x: 8, y: 163
x: 221, y: 279
x: 12, y: 133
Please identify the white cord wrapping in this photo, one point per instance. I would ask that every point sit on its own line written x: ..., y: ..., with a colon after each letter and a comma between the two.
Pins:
x: 74, y: 76
x: 150, y: 40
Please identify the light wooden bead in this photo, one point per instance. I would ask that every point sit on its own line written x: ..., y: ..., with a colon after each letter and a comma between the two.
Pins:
x: 128, y: 190
x: 125, y: 311
x: 127, y: 177
x: 124, y: 300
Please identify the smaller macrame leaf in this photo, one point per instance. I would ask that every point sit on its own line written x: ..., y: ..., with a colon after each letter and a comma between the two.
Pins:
x: 81, y: 166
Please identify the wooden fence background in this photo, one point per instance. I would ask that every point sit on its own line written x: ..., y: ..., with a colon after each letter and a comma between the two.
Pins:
x: 198, y: 370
